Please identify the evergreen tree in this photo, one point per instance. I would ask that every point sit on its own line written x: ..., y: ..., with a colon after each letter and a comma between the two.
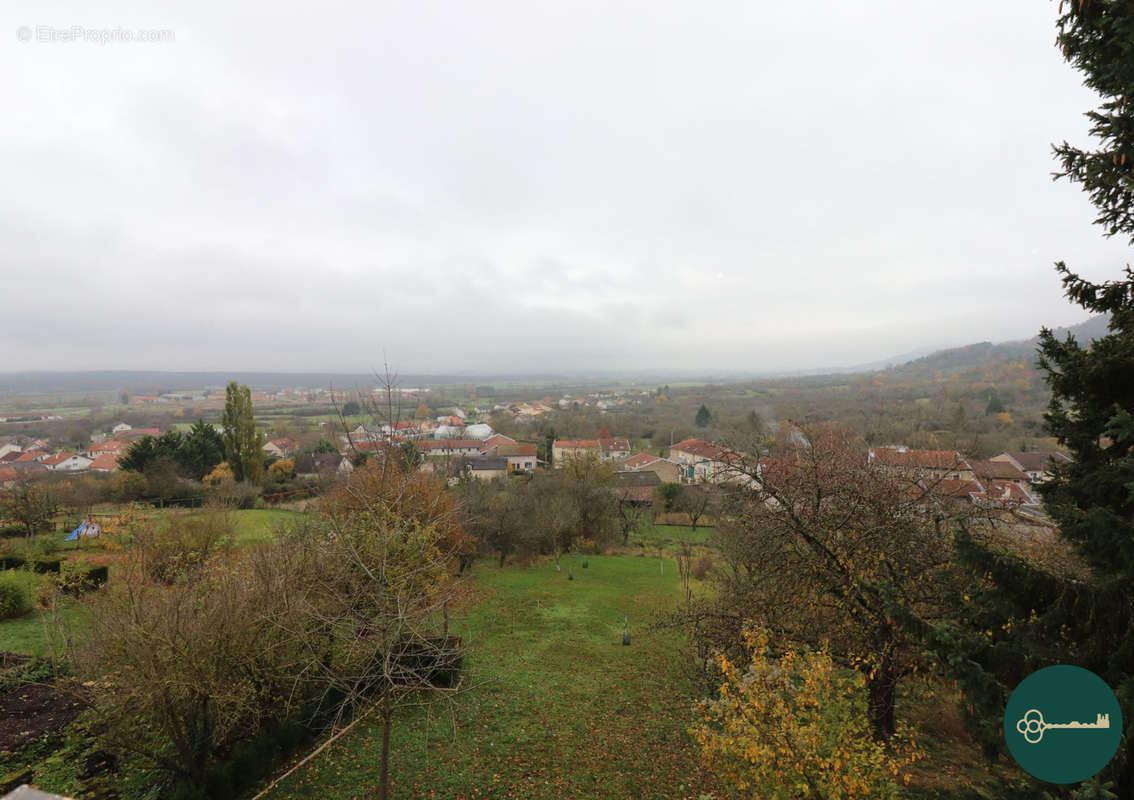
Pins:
x: 201, y: 449
x: 704, y: 417
x: 243, y: 444
x: 1024, y: 617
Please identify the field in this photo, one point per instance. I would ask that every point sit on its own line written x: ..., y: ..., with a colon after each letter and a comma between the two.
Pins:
x: 553, y: 704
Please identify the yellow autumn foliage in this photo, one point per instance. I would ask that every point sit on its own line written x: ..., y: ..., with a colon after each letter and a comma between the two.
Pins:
x: 221, y: 473
x: 795, y: 726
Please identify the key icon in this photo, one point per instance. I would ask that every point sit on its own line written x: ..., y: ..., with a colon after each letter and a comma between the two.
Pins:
x: 1032, y: 725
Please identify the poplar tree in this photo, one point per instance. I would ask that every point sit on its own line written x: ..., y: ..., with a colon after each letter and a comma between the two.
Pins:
x: 243, y: 444
x: 1025, y: 617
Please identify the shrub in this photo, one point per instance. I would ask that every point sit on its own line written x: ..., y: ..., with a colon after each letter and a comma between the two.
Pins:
x: 79, y: 576
x: 183, y: 545
x: 19, y: 590
x: 796, y: 726
x: 702, y: 567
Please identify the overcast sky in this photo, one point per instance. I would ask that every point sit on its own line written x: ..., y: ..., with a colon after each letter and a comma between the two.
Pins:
x: 543, y: 186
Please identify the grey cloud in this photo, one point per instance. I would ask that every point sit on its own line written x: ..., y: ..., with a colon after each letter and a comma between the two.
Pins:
x: 534, y: 186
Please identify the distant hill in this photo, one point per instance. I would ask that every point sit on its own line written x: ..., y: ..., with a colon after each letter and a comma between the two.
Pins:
x: 973, y: 355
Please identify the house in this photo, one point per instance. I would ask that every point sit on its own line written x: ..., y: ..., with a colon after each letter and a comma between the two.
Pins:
x: 449, y: 447
x: 121, y: 427
x: 614, y: 449
x: 955, y: 489
x: 521, y: 456
x: 30, y: 455
x: 280, y: 448
x: 928, y: 464
x: 67, y: 462
x: 104, y: 462
x: 1000, y: 471
x: 636, y: 486
x: 403, y: 427
x: 322, y: 463
x: 700, y: 461
x: 482, y: 467
x: 1036, y: 464
x: 496, y: 439
x: 667, y: 470
x: 112, y: 447
x: 563, y: 449
x: 1006, y: 494
x: 9, y: 447
x: 27, y: 467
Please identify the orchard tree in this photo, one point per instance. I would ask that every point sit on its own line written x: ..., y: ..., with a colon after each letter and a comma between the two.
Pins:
x: 243, y: 443
x: 823, y: 546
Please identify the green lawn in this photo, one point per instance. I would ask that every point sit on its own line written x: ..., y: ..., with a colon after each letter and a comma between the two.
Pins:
x: 34, y: 634
x: 555, y: 706
x: 260, y: 524
x: 650, y: 535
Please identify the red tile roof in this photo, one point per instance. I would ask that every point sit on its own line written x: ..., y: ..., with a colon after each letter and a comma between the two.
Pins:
x: 105, y: 462
x: 576, y: 444
x: 997, y: 470
x: 702, y: 449
x: 8, y: 474
x: 112, y: 446
x: 639, y: 460
x: 498, y: 439
x: 955, y: 488
x: 919, y: 459
x: 1007, y: 493
x: 614, y: 445
x: 58, y: 458
x: 31, y: 455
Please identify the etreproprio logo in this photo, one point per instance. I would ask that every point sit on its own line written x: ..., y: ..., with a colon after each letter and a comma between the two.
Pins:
x: 1062, y: 724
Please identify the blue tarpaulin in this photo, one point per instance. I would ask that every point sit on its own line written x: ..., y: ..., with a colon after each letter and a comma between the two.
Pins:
x: 75, y: 534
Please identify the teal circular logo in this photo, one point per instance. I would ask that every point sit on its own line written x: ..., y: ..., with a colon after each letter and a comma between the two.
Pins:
x: 1062, y: 724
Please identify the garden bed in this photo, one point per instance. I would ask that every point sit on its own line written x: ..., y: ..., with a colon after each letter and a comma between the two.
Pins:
x: 28, y: 711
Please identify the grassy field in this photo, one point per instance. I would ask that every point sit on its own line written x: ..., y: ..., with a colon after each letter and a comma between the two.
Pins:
x: 36, y: 635
x: 555, y: 706
x: 652, y: 535
x: 260, y: 524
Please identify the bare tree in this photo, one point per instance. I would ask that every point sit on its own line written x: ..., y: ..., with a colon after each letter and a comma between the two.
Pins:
x: 821, y: 545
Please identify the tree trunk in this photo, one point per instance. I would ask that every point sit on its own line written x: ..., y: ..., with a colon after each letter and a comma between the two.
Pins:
x: 882, y: 689
x: 384, y: 768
